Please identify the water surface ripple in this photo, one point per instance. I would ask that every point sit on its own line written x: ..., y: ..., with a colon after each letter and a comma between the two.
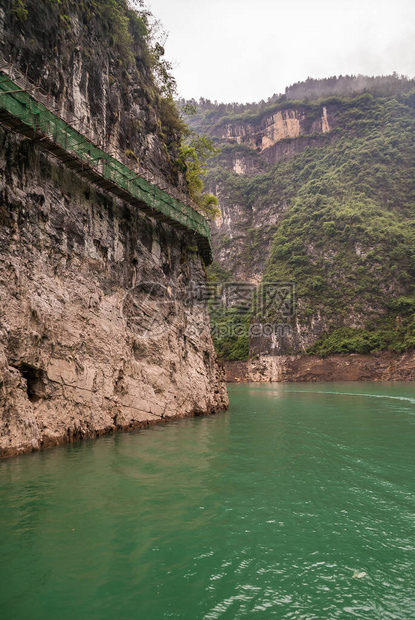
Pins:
x: 297, y: 503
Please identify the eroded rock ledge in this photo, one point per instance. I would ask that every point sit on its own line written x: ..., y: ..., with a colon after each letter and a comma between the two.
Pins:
x: 380, y: 367
x: 84, y: 347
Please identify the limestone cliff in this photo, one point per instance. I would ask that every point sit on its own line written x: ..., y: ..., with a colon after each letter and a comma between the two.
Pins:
x: 320, y: 193
x: 95, y: 59
x: 98, y: 331
x: 384, y: 366
x: 249, y: 148
x: 272, y: 134
x: 280, y: 125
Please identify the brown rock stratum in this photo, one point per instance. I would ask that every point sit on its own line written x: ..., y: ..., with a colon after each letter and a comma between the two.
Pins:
x: 381, y: 367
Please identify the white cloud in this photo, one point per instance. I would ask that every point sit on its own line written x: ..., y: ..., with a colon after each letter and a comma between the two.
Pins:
x: 238, y: 50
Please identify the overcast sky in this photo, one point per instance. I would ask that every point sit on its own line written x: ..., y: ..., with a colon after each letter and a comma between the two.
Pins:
x: 240, y: 50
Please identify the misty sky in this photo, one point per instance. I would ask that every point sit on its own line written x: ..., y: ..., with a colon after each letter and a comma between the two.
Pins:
x: 240, y: 50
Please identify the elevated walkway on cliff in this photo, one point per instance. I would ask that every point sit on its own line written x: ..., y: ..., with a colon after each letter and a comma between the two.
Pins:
x: 32, y: 113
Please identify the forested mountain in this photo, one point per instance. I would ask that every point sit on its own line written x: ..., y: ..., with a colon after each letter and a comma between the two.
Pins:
x: 321, y: 192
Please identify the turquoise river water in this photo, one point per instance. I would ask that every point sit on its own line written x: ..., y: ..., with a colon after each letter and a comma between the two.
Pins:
x: 299, y: 502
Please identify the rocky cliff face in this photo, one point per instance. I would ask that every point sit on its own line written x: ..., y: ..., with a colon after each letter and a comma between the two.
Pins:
x: 248, y: 149
x: 281, y: 125
x: 98, y: 327
x: 320, y: 194
x: 95, y: 59
x: 296, y: 368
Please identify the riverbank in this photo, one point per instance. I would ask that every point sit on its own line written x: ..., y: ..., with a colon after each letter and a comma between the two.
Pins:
x: 385, y: 366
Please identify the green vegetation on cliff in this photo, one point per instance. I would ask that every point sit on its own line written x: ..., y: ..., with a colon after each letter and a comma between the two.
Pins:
x: 114, y: 49
x: 305, y: 95
x: 195, y: 152
x: 348, y: 236
x: 346, y: 219
x: 394, y: 332
x: 116, y: 54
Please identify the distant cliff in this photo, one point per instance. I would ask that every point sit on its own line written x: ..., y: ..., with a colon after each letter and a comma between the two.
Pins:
x: 96, y: 329
x: 321, y: 193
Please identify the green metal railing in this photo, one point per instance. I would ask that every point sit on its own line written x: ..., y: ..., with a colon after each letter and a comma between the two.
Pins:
x: 19, y: 99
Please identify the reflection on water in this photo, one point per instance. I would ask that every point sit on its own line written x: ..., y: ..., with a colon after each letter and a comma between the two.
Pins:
x: 297, y: 503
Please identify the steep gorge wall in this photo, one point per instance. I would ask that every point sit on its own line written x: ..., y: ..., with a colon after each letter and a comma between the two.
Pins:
x: 250, y: 149
x: 96, y: 62
x: 383, y: 366
x: 281, y: 125
x: 75, y: 360
x: 330, y: 211
x: 97, y: 331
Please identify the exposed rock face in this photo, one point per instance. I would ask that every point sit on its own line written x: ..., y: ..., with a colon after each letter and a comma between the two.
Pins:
x: 282, y: 125
x: 380, y: 367
x: 87, y: 344
x: 242, y: 237
x: 298, y: 208
x: 71, y: 52
x: 76, y: 359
